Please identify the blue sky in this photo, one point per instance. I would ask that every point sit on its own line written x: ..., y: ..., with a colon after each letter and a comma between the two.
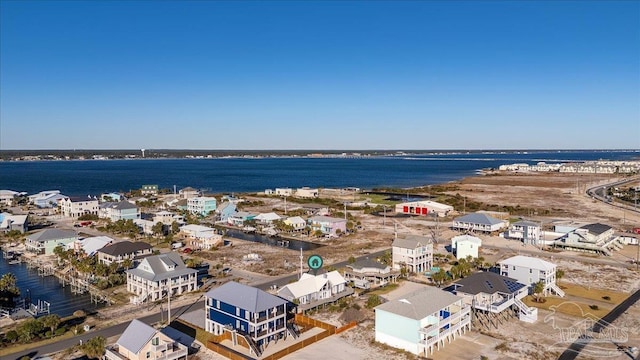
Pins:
x: 319, y: 75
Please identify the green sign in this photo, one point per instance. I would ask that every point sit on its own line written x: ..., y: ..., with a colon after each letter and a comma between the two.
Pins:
x: 314, y: 262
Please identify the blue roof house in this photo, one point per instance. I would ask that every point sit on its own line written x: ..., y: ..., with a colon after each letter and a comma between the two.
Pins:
x: 248, y: 313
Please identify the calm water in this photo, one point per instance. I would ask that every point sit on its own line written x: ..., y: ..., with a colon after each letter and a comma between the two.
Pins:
x: 63, y: 301
x: 273, y: 241
x: 243, y: 175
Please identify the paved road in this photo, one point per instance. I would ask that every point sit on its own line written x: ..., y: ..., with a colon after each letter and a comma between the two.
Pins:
x: 106, y: 332
x: 577, y: 346
x: 598, y: 192
x: 284, y: 280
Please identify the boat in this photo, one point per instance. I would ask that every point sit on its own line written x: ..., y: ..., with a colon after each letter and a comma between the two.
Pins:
x: 14, y: 262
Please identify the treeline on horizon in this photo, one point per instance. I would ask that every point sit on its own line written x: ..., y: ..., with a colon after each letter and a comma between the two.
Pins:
x: 179, y: 153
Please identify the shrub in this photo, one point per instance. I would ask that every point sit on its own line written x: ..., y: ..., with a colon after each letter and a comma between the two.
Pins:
x: 60, y: 331
x: 593, y: 307
x: 607, y: 297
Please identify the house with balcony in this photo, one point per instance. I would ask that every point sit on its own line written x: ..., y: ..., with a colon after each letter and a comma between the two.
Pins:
x: 526, y: 231
x: 119, y: 251
x: 74, y: 207
x: 296, y: 222
x: 158, y: 276
x: 267, y: 218
x: 466, y: 245
x: 412, y: 252
x: 7, y: 197
x: 423, y: 321
x: 478, y: 222
x: 492, y: 297
x: 202, y: 206
x: 201, y: 237
x: 252, y: 317
x: 596, y: 238
x: 311, y: 291
x: 46, y: 199
x: 43, y: 242
x: 238, y: 218
x: 367, y: 273
x: 140, y: 341
x: 530, y: 270
x: 328, y: 225
x: 115, y: 211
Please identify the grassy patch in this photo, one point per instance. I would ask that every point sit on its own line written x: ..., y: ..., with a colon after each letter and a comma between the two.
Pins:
x: 603, y: 295
x: 378, y: 199
x: 384, y: 289
x: 14, y: 348
x: 573, y: 308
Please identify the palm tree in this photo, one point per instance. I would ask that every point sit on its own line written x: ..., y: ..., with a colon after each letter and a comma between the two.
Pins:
x: 51, y: 321
x: 538, y: 289
x: 94, y: 347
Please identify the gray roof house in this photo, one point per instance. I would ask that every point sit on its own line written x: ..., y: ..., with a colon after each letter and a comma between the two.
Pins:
x: 119, y: 251
x: 45, y: 241
x: 422, y: 320
x: 141, y: 341
x: 478, y: 222
x: 159, y: 275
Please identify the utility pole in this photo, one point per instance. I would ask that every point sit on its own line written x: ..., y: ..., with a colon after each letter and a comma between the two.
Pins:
x: 301, y: 257
x: 384, y: 216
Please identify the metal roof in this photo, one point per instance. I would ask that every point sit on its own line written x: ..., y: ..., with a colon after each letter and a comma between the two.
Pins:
x: 411, y: 241
x: 528, y: 262
x: 477, y: 218
x: 124, y: 248
x: 135, y: 336
x: 159, y: 265
x: 245, y: 297
x: 488, y: 283
x: 52, y: 234
x: 420, y: 304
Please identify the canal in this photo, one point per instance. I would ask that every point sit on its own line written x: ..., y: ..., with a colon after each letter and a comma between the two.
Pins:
x: 48, y: 288
x: 273, y: 241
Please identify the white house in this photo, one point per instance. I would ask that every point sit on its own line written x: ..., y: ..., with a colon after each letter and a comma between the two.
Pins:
x: 478, y: 222
x: 46, y: 199
x: 526, y: 231
x: 307, y: 192
x: 368, y: 273
x: 7, y: 197
x: 90, y: 246
x: 424, y: 208
x: 78, y: 206
x: 315, y: 289
x: 422, y: 321
x: 413, y: 252
x: 267, y: 218
x: 159, y: 275
x: 296, y: 222
x: 188, y: 193
x: 201, y: 237
x: 465, y: 245
x: 284, y: 192
x: 10, y: 222
x: 140, y: 341
x: 529, y: 270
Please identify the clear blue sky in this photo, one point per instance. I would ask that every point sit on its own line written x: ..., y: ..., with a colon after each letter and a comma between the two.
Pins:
x: 319, y: 75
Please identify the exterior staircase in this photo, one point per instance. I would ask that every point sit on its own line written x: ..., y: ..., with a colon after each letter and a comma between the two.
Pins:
x: 526, y: 313
x: 293, y: 330
x: 252, y: 344
x: 556, y: 289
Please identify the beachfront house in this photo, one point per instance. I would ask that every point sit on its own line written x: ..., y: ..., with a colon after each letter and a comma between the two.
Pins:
x: 252, y: 316
x: 43, y: 242
x: 367, y: 273
x: 526, y: 231
x: 284, y: 192
x: 422, y: 321
x: 490, y: 295
x: 74, y: 207
x: 296, y: 222
x: 413, y: 253
x: 149, y: 189
x: 202, y: 206
x: 10, y: 222
x: 201, y: 237
x: 465, y: 245
x: 119, y: 251
x: 424, y: 208
x: 311, y: 291
x: 46, y: 199
x: 478, y: 222
x: 7, y: 197
x: 160, y: 275
x: 328, y: 225
x: 115, y: 211
x: 529, y: 270
x: 140, y: 341
x: 306, y: 193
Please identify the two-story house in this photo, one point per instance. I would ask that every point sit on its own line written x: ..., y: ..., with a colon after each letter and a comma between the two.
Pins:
x: 529, y: 270
x: 118, y: 252
x: 224, y: 210
x: 149, y: 189
x: 201, y: 205
x: 248, y: 313
x: 140, y: 341
x: 478, y: 222
x: 188, y: 193
x: 465, y: 245
x: 160, y: 275
x: 201, y: 237
x: 526, y: 231
x: 43, y: 242
x: 296, y: 222
x: 115, y: 211
x: 422, y: 321
x: 78, y: 206
x: 412, y: 252
x: 367, y: 273
x: 46, y: 199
